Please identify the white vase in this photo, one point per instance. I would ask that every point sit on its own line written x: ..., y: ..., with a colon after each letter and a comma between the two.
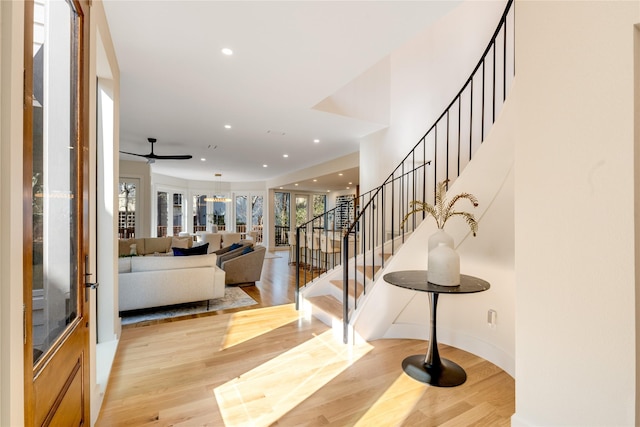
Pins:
x: 443, y: 266
x: 438, y: 237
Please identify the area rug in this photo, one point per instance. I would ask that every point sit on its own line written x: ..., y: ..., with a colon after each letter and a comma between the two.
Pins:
x: 233, y: 298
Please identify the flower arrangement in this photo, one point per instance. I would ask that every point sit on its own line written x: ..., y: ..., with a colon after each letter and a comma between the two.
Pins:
x: 443, y: 209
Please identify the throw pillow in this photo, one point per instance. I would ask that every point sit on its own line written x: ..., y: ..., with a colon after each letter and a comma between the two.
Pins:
x: 235, y: 246
x: 198, y: 250
x: 181, y: 242
x: 247, y: 250
x: 133, y: 249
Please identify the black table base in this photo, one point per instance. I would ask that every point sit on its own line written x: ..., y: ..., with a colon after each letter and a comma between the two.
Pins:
x: 450, y: 374
x: 430, y: 368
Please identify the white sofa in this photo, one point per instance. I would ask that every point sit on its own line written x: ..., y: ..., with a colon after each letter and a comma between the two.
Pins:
x: 155, y: 281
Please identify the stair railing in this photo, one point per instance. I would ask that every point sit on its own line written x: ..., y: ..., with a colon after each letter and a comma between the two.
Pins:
x: 441, y: 154
x: 311, y: 255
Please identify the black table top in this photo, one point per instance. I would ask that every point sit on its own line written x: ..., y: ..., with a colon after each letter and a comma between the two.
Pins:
x: 417, y: 281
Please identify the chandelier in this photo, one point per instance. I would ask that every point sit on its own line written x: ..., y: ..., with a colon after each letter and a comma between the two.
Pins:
x: 217, y: 191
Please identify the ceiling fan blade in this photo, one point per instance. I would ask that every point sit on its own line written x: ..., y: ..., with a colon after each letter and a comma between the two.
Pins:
x: 170, y: 157
x: 135, y: 154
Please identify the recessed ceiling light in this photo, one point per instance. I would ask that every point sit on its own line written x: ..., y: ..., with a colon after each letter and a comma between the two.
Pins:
x: 315, y: 180
x: 315, y: 141
x: 285, y: 155
x: 227, y: 51
x: 281, y: 188
x: 348, y: 188
x: 264, y: 166
x: 328, y: 191
x: 202, y: 159
x: 227, y: 126
x: 339, y: 174
x: 296, y: 184
x: 350, y: 183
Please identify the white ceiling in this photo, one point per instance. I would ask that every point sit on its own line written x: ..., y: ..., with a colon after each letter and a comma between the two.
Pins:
x: 178, y: 87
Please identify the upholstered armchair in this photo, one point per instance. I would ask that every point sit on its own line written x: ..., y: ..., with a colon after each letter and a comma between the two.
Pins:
x: 244, y: 266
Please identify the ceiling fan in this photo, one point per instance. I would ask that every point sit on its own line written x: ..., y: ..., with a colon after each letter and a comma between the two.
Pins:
x: 151, y: 157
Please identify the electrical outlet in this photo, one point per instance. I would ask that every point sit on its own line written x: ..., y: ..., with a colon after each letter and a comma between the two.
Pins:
x: 492, y: 318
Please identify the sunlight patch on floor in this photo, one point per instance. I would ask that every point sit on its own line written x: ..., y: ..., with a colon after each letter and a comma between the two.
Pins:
x: 266, y: 393
x: 246, y: 325
x: 396, y: 402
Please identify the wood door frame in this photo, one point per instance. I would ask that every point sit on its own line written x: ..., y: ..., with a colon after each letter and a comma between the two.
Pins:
x: 80, y: 75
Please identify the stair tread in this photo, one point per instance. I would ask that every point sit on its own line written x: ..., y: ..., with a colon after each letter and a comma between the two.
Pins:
x: 353, y: 286
x: 386, y: 256
x: 370, y: 271
x: 327, y: 303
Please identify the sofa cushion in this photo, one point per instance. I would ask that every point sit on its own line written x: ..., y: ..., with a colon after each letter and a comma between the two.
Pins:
x: 151, y: 263
x: 154, y: 245
x: 124, y: 246
x: 197, y: 250
x: 181, y: 242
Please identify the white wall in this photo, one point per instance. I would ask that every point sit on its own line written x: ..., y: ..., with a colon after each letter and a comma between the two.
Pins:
x: 11, y: 299
x: 574, y: 210
x: 425, y: 75
x: 104, y: 143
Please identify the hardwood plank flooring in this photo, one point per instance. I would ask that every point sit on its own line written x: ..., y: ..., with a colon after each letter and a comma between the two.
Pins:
x: 267, y: 365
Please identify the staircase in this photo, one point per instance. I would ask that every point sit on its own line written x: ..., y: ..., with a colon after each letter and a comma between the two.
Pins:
x: 334, y: 291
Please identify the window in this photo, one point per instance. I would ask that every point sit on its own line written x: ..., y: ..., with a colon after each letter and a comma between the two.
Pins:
x: 319, y: 207
x: 163, y: 214
x: 281, y: 220
x: 218, y: 216
x: 241, y: 214
x: 256, y: 216
x: 302, y: 210
x: 178, y: 217
x: 319, y: 204
x: 199, y: 213
x: 127, y: 209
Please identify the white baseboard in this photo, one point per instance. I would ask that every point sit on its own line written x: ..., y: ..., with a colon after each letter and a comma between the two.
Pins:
x: 105, y: 354
x: 517, y: 421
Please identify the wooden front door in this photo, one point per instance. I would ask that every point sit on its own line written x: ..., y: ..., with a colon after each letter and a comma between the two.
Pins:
x: 56, y: 320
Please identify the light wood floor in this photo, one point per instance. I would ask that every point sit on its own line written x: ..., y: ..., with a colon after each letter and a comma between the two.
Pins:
x: 269, y: 366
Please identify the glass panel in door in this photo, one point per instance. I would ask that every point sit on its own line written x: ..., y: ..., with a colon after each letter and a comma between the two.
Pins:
x: 54, y: 174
